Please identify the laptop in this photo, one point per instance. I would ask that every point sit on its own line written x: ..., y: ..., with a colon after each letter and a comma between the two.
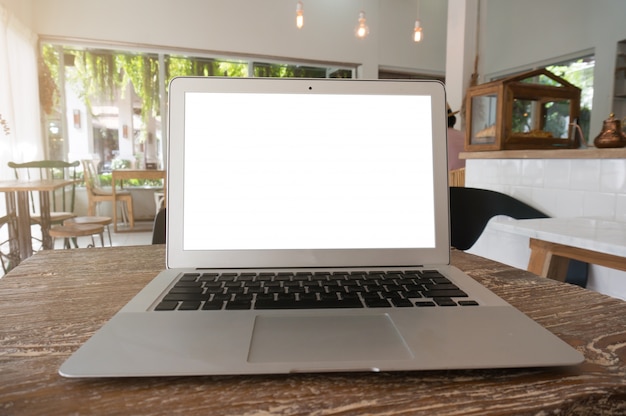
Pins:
x: 308, y: 231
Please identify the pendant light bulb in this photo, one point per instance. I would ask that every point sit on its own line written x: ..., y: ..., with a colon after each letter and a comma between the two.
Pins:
x: 417, y: 32
x: 299, y: 15
x: 362, y: 30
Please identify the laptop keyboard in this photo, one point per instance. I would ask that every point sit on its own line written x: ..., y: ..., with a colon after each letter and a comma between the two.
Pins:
x: 312, y: 290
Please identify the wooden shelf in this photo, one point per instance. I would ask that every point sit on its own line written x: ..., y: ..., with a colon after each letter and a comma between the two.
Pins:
x: 589, y: 153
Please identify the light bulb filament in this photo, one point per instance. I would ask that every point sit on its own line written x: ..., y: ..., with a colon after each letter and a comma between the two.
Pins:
x: 417, y: 32
x: 362, y: 30
x: 299, y: 15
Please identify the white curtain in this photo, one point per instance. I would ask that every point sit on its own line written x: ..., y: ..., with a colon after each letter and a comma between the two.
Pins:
x: 19, y: 94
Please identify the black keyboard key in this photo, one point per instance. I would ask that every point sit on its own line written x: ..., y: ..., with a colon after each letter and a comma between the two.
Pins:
x: 329, y: 296
x: 305, y: 304
x: 227, y: 277
x: 286, y: 297
x: 212, y: 305
x: 221, y: 297
x: 235, y: 290
x: 189, y: 277
x: 412, y: 294
x: 213, y: 285
x: 444, y: 302
x: 246, y: 277
x: 265, y: 297
x: 178, y: 290
x: 441, y: 286
x: 372, y: 294
x: 444, y: 293
x: 183, y: 283
x: 308, y: 297
x: 401, y: 303
x: 189, y: 305
x: 430, y: 273
x: 299, y: 277
x: 244, y: 297
x: 377, y: 303
x: 424, y: 303
x: 166, y: 306
x: 183, y: 297
x: 468, y: 303
x: 239, y: 305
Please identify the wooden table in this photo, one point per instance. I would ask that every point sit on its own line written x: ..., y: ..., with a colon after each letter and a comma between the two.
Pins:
x: 17, y: 194
x: 554, y: 241
x: 125, y: 174
x: 54, y: 301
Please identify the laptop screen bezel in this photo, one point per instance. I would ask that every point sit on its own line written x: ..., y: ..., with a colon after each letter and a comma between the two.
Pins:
x: 178, y: 257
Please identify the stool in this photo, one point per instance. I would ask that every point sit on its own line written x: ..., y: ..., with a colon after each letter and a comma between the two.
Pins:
x: 105, y: 221
x: 73, y: 231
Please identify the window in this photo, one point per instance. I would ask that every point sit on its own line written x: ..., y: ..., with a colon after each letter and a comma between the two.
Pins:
x: 579, y: 72
x: 109, y: 103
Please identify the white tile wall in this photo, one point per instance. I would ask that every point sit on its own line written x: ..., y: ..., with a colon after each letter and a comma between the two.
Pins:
x: 560, y: 188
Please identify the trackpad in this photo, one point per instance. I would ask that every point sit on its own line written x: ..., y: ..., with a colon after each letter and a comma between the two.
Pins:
x: 326, y: 338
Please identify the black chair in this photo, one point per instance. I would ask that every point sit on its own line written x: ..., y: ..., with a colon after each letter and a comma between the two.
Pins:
x: 472, y: 208
x: 159, y: 230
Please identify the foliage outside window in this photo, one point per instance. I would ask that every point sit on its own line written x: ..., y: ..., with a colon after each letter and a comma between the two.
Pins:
x: 101, y: 77
x: 578, y: 72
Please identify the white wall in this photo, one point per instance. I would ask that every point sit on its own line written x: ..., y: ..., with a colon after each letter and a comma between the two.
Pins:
x: 21, y: 9
x: 397, y: 49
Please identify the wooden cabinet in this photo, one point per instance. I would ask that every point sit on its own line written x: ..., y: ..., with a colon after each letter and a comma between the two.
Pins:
x: 532, y: 110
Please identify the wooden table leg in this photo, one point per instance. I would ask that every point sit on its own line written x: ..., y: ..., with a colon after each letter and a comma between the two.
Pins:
x: 552, y: 259
x: 44, y: 210
x: 545, y: 262
x: 14, y: 242
x: 114, y: 203
x: 23, y: 224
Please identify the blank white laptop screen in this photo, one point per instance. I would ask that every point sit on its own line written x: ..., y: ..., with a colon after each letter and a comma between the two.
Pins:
x: 302, y: 171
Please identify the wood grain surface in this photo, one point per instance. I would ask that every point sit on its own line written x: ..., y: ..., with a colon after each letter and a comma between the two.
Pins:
x: 54, y: 301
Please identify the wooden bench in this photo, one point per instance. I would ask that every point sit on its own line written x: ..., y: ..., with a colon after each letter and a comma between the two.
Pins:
x: 555, y: 241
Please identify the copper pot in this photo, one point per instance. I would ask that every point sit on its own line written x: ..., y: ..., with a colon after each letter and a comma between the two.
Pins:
x: 611, y: 134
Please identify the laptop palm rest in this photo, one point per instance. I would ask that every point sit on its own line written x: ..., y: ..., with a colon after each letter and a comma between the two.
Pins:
x: 328, y: 338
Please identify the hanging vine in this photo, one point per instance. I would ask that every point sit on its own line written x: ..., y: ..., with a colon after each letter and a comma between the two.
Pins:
x: 142, y: 71
x: 101, y: 75
x: 96, y: 75
x: 48, y: 64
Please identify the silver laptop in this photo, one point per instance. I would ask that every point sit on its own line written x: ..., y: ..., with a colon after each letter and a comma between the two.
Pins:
x: 308, y: 231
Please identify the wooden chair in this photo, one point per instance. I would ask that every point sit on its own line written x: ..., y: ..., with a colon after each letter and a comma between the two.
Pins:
x: 62, y: 200
x: 456, y: 177
x: 70, y: 232
x: 103, y: 221
x: 97, y: 194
